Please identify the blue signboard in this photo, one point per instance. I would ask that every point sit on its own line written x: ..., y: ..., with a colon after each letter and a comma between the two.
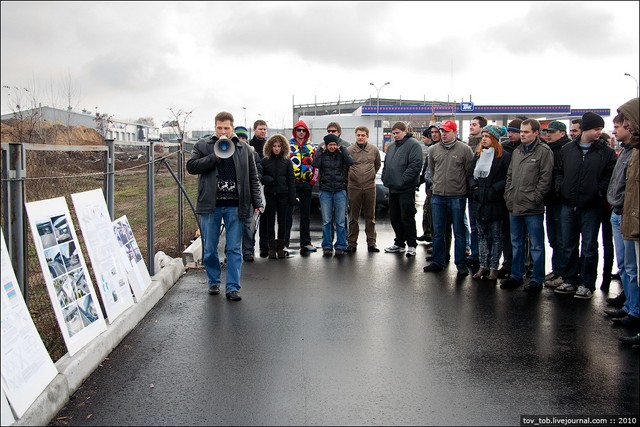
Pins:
x: 466, y: 106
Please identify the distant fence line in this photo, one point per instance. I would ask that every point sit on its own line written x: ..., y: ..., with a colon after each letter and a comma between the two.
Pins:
x: 33, y: 172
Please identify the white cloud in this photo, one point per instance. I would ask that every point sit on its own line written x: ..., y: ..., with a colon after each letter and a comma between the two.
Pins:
x: 135, y: 59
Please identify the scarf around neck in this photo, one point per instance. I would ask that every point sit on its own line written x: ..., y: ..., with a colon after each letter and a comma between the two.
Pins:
x: 483, y: 166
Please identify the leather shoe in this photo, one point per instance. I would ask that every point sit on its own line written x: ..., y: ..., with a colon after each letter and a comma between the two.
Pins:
x: 373, y: 248
x: 631, y: 322
x: 463, y: 270
x: 504, y: 273
x: 532, y: 287
x: 350, y: 249
x: 233, y: 296
x: 248, y: 258
x: 510, y: 283
x: 214, y: 290
x: 433, y: 267
x: 615, y: 313
x: 617, y: 301
x: 633, y: 341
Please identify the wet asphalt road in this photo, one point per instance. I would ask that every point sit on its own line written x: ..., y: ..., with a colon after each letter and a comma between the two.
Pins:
x: 366, y: 339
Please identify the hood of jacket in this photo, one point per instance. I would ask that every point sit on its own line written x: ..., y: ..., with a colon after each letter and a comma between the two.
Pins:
x: 630, y: 111
x: 302, y: 124
x: 286, y: 148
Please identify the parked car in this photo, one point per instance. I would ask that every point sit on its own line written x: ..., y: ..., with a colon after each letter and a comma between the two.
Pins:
x: 382, y: 192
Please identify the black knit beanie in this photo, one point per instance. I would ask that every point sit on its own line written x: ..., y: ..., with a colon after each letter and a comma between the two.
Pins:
x: 591, y: 121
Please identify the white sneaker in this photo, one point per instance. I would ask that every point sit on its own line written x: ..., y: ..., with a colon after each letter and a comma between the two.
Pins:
x: 411, y: 251
x: 394, y: 249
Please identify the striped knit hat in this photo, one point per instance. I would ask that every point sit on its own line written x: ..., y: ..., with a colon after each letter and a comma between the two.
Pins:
x: 495, y: 131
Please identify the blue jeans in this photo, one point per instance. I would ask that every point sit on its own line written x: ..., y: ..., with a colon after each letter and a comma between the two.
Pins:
x: 453, y: 208
x: 333, y: 205
x: 521, y: 225
x: 576, y: 223
x: 626, y: 257
x: 554, y: 235
x: 472, y: 236
x: 211, y: 223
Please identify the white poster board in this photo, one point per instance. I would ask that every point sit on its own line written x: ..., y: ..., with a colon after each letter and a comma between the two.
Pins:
x: 7, y: 415
x: 103, y: 249
x: 26, y: 366
x: 137, y: 272
x: 73, y: 297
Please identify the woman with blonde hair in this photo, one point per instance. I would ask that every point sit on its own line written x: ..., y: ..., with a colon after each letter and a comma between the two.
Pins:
x: 487, y: 178
x: 279, y: 191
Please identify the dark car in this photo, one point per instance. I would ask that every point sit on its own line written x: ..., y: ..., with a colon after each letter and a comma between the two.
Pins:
x: 382, y: 192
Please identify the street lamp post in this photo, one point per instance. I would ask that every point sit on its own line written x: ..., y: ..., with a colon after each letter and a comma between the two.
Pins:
x: 378, y: 110
x: 637, y: 88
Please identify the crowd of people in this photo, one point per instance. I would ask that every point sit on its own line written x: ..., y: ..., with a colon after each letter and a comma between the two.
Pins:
x: 490, y: 196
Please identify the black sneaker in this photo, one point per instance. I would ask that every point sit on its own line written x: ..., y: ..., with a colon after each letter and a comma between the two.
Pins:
x: 248, y: 258
x: 433, y: 267
x: 532, y: 287
x: 373, y: 248
x: 617, y: 301
x: 463, y: 270
x: 510, y: 283
x: 504, y: 273
x: 233, y: 296
x: 214, y: 290
x: 264, y: 253
x: 350, y: 249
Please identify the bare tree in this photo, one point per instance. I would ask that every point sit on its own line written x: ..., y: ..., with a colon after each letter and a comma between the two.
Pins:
x: 71, y: 94
x: 179, y: 121
x: 103, y: 123
x: 26, y: 113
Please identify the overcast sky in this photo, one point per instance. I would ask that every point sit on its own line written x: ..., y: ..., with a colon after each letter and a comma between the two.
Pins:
x: 138, y: 59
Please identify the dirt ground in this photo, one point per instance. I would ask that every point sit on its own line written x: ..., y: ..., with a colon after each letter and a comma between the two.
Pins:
x: 48, y: 133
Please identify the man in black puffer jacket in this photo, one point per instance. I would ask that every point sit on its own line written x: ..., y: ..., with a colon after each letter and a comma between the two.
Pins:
x: 582, y: 173
x: 331, y: 162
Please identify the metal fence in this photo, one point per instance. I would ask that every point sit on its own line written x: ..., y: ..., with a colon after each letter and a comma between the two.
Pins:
x: 144, y: 181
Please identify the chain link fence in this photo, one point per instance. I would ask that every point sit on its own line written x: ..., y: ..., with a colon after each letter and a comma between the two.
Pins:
x: 59, y: 171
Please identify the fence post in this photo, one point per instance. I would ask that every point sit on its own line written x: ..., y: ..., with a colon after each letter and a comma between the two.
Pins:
x: 17, y: 228
x: 181, y: 180
x: 109, y: 178
x: 150, y: 211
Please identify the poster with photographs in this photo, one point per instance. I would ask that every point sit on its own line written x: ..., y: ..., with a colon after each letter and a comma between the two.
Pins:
x: 73, y: 297
x: 110, y: 275
x: 137, y: 272
x: 26, y: 366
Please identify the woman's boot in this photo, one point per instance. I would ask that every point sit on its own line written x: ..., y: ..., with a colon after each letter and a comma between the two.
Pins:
x: 480, y: 273
x: 493, y: 274
x: 272, y: 249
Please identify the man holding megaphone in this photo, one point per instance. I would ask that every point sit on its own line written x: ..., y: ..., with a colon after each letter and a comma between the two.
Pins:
x: 228, y: 186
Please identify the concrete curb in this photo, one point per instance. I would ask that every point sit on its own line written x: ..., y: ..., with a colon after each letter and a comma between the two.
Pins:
x: 73, y: 371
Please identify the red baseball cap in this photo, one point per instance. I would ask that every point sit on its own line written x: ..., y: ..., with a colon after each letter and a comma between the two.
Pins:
x: 449, y: 125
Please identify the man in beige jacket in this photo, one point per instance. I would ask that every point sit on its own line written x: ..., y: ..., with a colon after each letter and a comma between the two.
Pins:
x: 361, y: 189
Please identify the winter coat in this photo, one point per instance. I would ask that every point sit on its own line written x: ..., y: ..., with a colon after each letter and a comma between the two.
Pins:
x: 582, y: 180
x: 332, y: 168
x: 204, y: 162
x: 618, y: 183
x: 630, y: 226
x: 552, y: 198
x: 277, y: 176
x: 487, y: 194
x: 449, y: 168
x: 302, y: 156
x: 366, y: 163
x: 528, y: 179
x: 402, y: 165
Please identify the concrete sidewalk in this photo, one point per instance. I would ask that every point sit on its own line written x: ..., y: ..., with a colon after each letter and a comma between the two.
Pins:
x: 74, y: 370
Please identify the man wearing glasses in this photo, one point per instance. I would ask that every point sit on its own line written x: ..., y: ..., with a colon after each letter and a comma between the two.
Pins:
x: 302, y: 157
x: 336, y: 129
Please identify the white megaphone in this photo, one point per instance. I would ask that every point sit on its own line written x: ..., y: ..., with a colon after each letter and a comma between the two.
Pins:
x: 224, y: 148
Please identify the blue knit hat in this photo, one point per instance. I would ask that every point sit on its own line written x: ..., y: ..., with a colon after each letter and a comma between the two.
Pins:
x: 495, y: 131
x: 242, y: 132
